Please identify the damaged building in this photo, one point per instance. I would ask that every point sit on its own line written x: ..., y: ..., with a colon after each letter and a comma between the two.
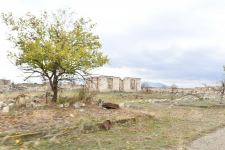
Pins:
x: 111, y: 83
x: 4, y: 82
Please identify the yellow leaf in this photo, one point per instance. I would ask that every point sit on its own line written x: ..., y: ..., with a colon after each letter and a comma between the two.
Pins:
x: 17, y: 141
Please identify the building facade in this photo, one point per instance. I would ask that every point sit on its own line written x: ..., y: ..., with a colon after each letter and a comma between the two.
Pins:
x: 111, y: 83
x: 4, y: 82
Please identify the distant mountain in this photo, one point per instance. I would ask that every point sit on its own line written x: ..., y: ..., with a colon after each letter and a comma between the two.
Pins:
x: 153, y: 84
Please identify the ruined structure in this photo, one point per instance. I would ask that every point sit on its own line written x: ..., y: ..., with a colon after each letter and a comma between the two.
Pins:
x: 111, y: 83
x: 4, y: 82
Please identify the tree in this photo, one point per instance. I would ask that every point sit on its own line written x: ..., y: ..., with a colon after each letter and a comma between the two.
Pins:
x: 54, y: 46
x: 174, y: 91
x: 222, y: 91
x: 219, y: 89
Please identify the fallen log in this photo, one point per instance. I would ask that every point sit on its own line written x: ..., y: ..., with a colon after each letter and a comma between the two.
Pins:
x: 110, y: 106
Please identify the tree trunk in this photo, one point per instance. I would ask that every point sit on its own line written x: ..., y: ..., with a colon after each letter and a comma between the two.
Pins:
x: 221, y: 97
x: 222, y: 92
x: 55, y: 94
x: 54, y: 87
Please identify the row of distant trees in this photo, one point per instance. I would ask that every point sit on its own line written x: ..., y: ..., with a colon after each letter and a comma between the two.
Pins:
x: 219, y: 89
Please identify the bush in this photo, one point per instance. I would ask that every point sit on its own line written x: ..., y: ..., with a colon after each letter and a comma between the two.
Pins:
x: 82, y: 95
x: 85, y: 95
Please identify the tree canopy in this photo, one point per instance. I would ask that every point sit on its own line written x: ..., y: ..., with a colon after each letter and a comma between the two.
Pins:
x: 54, y: 46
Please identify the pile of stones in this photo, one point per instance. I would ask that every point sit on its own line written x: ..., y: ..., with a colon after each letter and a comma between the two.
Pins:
x: 21, y: 101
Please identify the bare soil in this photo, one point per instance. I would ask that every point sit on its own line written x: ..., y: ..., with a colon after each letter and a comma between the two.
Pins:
x: 211, y: 141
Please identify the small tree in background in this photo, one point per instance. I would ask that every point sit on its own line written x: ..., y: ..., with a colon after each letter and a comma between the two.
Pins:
x: 174, y: 91
x: 220, y: 90
x: 54, y: 46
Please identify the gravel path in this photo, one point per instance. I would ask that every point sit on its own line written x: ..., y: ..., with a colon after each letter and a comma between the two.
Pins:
x: 212, y: 141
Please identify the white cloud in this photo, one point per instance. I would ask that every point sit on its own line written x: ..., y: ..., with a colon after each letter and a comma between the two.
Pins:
x: 145, y: 38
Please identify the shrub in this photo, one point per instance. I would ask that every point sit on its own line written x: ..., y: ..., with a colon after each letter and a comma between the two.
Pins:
x: 85, y: 95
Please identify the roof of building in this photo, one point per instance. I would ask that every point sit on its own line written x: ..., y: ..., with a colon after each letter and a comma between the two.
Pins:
x: 95, y: 76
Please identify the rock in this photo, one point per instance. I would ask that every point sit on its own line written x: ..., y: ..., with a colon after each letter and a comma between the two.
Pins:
x: 150, y: 101
x: 76, y: 105
x: 11, y: 105
x: 54, y: 140
x: 83, y: 105
x: 37, y: 142
x: 20, y: 100
x: 34, y: 105
x: 1, y: 104
x: 5, y: 109
x: 126, y: 105
x: 27, y: 98
x: 81, y: 110
x: 121, y: 105
x: 31, y: 105
x: 61, y: 105
x: 110, y: 106
x: 106, y: 125
x: 36, y: 101
x: 28, y: 105
x: 79, y: 105
x: 66, y: 104
x: 11, y: 101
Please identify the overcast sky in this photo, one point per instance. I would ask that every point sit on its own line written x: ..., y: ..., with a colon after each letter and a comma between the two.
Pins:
x: 168, y: 41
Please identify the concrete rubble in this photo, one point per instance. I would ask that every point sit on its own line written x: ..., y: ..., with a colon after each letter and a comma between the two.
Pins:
x: 79, y: 105
x: 20, y: 101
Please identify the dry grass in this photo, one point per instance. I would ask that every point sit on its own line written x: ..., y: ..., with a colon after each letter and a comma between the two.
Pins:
x: 171, y: 128
x: 54, y: 117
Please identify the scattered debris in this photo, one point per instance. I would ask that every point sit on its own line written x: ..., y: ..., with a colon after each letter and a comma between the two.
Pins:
x: 20, y: 101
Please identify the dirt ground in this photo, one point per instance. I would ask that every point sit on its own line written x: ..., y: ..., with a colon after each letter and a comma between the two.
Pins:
x: 212, y: 141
